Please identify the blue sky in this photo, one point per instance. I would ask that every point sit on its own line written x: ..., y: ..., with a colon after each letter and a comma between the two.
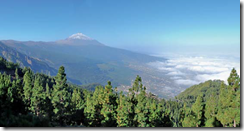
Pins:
x: 155, y: 25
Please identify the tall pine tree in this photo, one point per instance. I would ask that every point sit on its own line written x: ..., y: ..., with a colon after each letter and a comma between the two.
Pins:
x: 109, y: 107
x: 197, y: 108
x: 60, y: 97
x: 27, y: 80
x: 211, y: 111
x: 38, y: 97
x: 233, y: 112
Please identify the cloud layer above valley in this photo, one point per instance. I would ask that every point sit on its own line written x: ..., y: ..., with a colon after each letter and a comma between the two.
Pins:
x: 187, y: 70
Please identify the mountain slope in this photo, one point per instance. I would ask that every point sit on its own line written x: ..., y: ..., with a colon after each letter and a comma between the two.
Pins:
x: 89, y: 61
x: 205, y: 88
x: 86, y: 59
x: 25, y: 61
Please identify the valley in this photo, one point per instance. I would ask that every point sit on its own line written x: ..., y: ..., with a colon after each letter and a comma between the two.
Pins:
x: 88, y: 61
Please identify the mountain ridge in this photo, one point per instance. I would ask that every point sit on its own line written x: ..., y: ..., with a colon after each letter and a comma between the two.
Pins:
x: 25, y: 61
x: 88, y: 63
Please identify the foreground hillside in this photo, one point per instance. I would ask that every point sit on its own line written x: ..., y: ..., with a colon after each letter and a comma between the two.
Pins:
x: 207, y: 89
x: 29, y: 99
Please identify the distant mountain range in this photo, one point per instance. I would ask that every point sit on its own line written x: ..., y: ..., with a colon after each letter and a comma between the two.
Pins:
x: 88, y: 61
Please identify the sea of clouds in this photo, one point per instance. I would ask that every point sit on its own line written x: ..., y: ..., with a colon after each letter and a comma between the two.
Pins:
x: 190, y: 70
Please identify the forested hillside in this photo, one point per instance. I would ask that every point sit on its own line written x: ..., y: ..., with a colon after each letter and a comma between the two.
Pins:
x: 206, y: 89
x: 34, y: 99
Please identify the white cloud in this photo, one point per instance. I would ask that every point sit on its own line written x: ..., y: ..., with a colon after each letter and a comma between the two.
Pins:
x: 194, y: 70
x: 176, y: 73
x: 208, y: 69
x: 175, y: 77
x: 180, y: 66
x: 166, y: 69
x: 221, y: 76
x: 186, y: 82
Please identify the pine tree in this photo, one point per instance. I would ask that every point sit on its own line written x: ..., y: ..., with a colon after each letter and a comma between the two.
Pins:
x: 16, y: 74
x: 27, y: 87
x: 77, y: 107
x: 94, y: 106
x: 109, y: 107
x: 89, y: 111
x: 19, y: 87
x: 234, y: 80
x: 194, y: 115
x: 60, y: 97
x: 189, y: 120
x: 38, y: 97
x: 182, y: 114
x: 132, y: 101
x: 11, y: 92
x: 161, y: 111
x: 4, y: 84
x: 154, y: 116
x: 233, y: 112
x: 77, y: 102
x: 123, y: 119
x: 47, y: 93
x: 197, y: 108
x: 222, y: 105
x: 175, y: 114
x: 141, y: 113
x: 47, y: 102
x: 211, y: 111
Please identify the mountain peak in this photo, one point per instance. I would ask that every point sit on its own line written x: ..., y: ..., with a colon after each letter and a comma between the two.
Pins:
x: 78, y: 39
x: 79, y: 36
